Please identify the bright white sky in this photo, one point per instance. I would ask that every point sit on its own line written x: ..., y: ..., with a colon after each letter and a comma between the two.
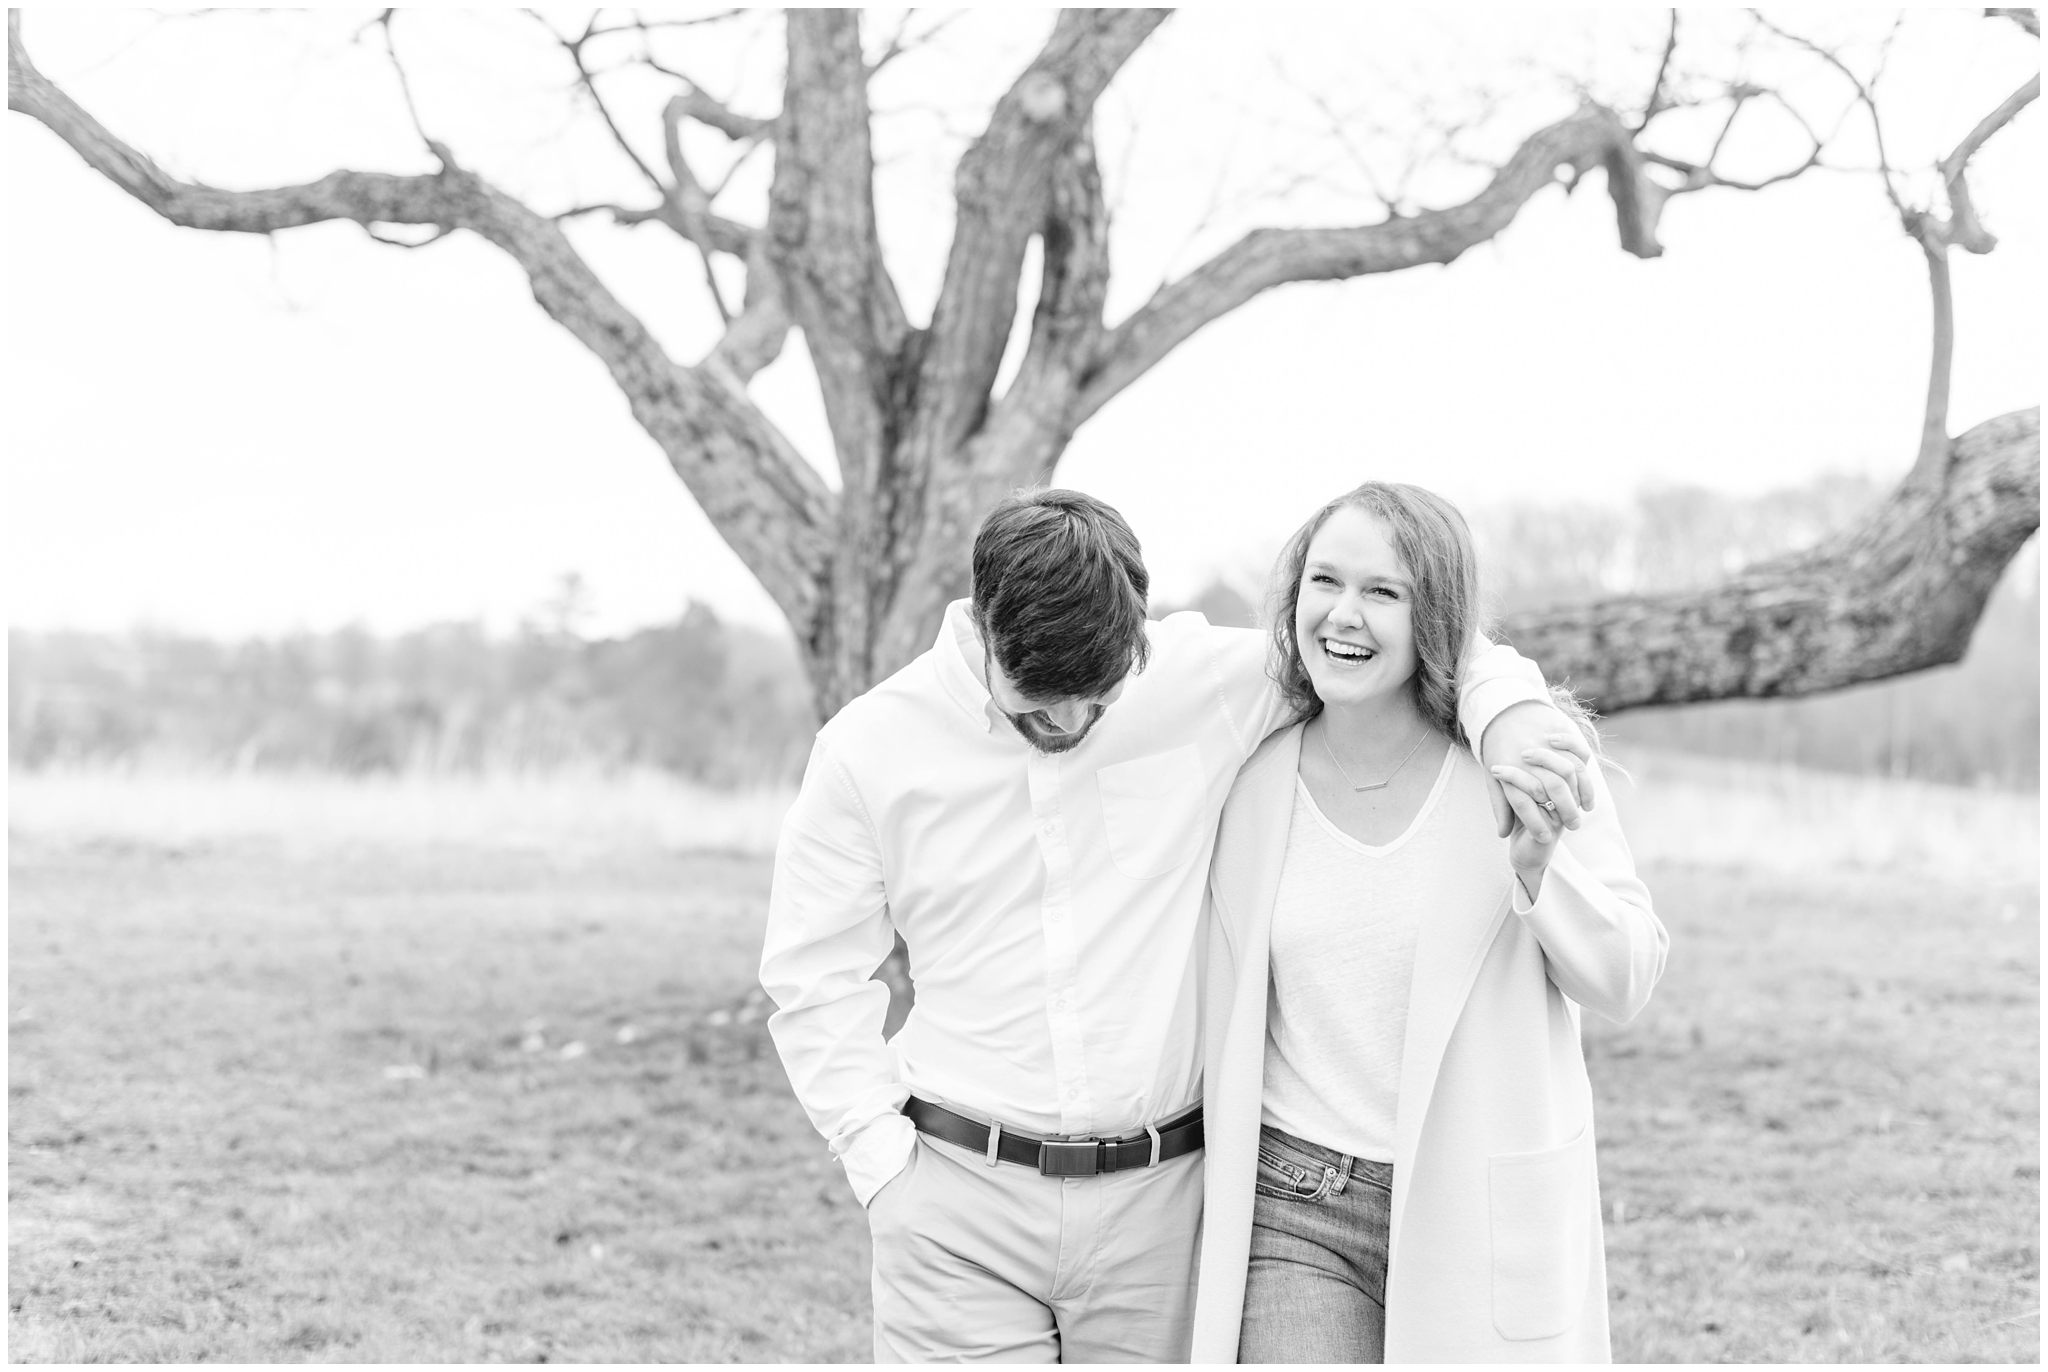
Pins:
x: 223, y: 434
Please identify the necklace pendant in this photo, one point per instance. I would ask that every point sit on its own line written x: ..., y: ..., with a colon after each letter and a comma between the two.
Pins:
x: 1373, y: 785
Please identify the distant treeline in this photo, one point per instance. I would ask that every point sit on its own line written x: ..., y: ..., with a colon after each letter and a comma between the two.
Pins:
x: 721, y: 703
x: 727, y: 704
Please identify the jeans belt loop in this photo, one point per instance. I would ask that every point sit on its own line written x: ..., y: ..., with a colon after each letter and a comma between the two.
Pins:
x: 1154, y: 1132
x: 995, y: 1137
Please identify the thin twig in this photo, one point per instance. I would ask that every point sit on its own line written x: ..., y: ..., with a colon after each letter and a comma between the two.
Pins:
x: 708, y: 109
x: 747, y: 150
x: 1863, y: 93
x: 1336, y: 129
x: 898, y: 45
x: 574, y: 47
x: 645, y: 26
x: 1655, y: 103
x: 619, y: 213
x: 1738, y: 95
x: 439, y: 150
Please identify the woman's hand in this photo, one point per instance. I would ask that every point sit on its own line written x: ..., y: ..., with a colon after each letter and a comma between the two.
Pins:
x: 1534, y: 840
x: 1536, y: 739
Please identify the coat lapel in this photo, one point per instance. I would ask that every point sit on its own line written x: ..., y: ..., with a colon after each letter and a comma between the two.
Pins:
x: 1243, y: 880
x: 1251, y: 848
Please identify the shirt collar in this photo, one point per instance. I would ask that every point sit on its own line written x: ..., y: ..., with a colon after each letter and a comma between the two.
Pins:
x: 957, y: 653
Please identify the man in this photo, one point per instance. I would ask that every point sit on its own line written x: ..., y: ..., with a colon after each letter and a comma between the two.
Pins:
x: 1032, y: 805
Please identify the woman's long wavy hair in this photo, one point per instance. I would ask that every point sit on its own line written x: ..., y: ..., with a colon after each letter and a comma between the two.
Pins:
x: 1435, y: 547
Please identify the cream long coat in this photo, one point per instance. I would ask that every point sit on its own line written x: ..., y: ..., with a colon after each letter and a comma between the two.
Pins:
x: 1495, y: 1252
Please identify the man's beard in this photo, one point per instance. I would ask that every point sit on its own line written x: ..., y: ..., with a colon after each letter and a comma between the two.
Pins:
x: 1035, y: 735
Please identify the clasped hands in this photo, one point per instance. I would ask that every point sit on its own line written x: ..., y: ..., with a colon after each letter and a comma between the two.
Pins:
x: 1541, y: 784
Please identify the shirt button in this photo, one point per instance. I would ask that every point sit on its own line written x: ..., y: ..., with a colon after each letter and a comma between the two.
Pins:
x: 1073, y: 1093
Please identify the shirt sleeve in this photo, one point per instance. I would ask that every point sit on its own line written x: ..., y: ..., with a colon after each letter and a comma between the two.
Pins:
x: 1250, y: 697
x: 1493, y: 677
x: 828, y: 929
x: 1604, y: 945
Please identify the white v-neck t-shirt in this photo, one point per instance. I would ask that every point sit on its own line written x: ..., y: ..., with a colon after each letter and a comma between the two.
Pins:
x: 1343, y: 955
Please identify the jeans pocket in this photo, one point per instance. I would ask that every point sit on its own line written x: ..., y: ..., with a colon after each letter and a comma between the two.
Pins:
x: 1285, y: 1177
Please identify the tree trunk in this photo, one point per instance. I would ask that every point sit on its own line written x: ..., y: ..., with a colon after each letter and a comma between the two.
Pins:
x: 925, y: 444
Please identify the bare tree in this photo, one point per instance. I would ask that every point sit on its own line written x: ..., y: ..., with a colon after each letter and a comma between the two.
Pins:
x: 925, y: 440
x: 1901, y: 591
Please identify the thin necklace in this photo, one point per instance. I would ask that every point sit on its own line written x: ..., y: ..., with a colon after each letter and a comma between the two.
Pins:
x: 1371, y: 785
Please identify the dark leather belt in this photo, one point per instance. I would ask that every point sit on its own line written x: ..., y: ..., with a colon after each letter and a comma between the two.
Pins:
x: 1056, y: 1155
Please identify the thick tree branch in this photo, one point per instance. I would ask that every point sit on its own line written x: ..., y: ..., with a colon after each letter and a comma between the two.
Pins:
x: 759, y: 493
x: 1265, y: 258
x: 754, y: 338
x: 1900, y: 593
x: 1028, y: 429
x: 1002, y: 190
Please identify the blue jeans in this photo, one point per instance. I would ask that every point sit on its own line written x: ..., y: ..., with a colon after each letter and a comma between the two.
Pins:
x: 1317, y: 1286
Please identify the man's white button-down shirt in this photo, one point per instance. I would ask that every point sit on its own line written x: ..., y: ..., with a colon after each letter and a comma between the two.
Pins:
x: 1050, y: 901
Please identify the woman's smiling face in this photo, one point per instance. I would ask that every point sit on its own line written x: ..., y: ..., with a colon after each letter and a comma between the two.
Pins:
x: 1353, y: 619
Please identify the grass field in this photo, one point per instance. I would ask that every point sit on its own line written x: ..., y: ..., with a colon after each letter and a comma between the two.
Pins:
x: 291, y: 1080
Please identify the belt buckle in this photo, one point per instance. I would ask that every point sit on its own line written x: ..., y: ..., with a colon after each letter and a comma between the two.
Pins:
x: 1069, y: 1157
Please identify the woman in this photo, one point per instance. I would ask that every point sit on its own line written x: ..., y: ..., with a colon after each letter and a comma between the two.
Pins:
x: 1400, y: 1145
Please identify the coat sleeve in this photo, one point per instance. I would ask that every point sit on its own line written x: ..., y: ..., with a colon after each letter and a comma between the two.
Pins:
x: 828, y: 929
x: 1603, y: 943
x: 1493, y: 677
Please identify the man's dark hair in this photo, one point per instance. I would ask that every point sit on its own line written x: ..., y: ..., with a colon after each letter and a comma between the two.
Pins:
x: 1059, y: 593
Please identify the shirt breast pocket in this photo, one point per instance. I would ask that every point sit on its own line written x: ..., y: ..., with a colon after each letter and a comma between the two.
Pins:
x: 1152, y: 812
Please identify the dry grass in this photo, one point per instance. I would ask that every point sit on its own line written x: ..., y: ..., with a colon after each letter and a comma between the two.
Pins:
x: 437, y: 1106
x: 554, y: 813
x: 314, y: 1076
x: 1713, y: 812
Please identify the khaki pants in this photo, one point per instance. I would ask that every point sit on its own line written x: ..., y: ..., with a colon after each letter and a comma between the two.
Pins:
x: 999, y: 1264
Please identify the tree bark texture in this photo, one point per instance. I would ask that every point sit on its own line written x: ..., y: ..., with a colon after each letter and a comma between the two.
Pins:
x: 1901, y: 592
x: 924, y: 442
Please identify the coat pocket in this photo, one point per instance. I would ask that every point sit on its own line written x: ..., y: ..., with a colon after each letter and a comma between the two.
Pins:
x: 1152, y: 810
x: 1541, y: 1218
